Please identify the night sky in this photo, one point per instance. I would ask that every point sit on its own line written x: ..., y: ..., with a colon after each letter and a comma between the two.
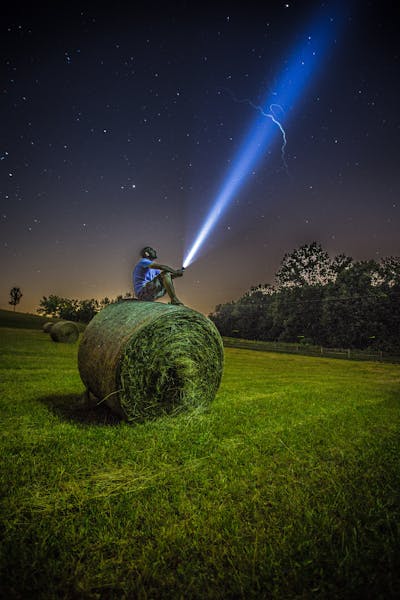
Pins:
x: 119, y: 125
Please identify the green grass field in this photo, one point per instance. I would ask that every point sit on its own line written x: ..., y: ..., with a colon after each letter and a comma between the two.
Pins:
x: 287, y: 486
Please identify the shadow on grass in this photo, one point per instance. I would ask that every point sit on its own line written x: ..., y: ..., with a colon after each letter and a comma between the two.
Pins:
x: 76, y: 408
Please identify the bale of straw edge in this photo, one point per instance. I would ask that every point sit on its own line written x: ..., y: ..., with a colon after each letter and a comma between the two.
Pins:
x: 47, y: 327
x: 64, y: 331
x: 146, y: 359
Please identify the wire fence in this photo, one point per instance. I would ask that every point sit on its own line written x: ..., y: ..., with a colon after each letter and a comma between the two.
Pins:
x: 308, y: 350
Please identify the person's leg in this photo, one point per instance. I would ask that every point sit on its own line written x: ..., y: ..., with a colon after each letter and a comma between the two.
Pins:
x: 157, y: 287
x: 166, y: 278
x: 153, y: 290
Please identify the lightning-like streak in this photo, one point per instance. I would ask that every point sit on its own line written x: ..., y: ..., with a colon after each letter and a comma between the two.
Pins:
x: 297, y: 73
x: 271, y: 115
x: 283, y: 132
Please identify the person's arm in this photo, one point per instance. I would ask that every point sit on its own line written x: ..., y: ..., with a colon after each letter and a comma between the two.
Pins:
x: 166, y: 269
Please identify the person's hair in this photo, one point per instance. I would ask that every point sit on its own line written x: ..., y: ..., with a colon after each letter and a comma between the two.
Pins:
x: 147, y: 249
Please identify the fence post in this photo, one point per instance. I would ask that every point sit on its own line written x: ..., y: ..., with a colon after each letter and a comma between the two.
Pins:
x: 322, y: 350
x: 348, y: 353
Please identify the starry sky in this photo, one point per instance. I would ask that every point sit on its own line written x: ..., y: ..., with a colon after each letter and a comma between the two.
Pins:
x: 119, y: 125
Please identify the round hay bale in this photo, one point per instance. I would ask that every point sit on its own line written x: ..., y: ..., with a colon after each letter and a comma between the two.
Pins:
x: 64, y: 331
x: 145, y: 359
x: 47, y: 327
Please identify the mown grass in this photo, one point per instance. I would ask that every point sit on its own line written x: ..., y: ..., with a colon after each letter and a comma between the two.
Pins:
x: 286, y: 487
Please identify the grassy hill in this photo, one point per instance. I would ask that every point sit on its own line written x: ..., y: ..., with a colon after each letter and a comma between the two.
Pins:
x: 9, y: 318
x: 287, y: 486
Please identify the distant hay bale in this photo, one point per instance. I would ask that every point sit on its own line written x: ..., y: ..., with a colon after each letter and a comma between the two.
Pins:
x: 47, y: 327
x: 145, y: 359
x: 64, y: 331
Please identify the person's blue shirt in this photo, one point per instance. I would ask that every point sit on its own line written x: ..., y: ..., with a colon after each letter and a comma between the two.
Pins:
x: 142, y: 274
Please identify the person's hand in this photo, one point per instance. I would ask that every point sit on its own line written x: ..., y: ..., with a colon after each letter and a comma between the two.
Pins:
x: 179, y: 272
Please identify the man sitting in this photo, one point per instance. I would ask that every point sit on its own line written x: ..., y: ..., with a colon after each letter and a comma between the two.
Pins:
x: 152, y: 280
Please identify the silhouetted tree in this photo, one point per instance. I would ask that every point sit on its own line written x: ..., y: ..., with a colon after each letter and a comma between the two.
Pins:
x: 354, y: 314
x: 225, y: 320
x: 87, y: 309
x: 68, y: 309
x: 389, y: 271
x: 310, y: 265
x: 105, y: 302
x: 15, y: 296
x: 49, y: 305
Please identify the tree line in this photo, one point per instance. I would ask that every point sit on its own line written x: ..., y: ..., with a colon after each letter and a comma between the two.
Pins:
x: 72, y: 309
x: 315, y: 299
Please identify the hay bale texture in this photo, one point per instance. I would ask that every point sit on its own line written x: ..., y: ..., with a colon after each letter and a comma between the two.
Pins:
x: 47, y: 327
x: 145, y: 359
x: 66, y: 332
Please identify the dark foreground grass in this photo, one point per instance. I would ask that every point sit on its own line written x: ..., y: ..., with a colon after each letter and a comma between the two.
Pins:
x: 287, y: 486
x: 9, y: 318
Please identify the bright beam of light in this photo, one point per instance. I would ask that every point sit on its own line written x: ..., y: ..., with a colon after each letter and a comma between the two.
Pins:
x: 297, y: 73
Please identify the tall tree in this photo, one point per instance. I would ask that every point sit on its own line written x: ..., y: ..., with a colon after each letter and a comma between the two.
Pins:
x: 310, y: 265
x: 15, y: 296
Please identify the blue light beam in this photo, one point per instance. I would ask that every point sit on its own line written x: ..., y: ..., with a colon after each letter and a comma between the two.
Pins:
x: 302, y: 64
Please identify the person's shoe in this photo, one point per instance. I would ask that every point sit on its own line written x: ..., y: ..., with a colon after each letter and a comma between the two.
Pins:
x: 176, y: 302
